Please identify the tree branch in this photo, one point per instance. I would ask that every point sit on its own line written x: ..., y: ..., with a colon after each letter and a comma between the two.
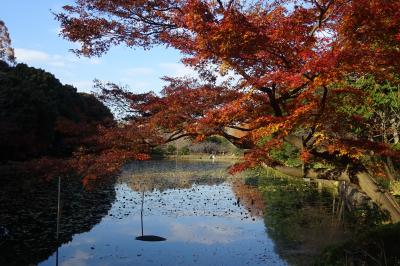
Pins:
x: 221, y: 6
x: 272, y: 99
x: 323, y: 10
x: 176, y: 136
x: 318, y: 116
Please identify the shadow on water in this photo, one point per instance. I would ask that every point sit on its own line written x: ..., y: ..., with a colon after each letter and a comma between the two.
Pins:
x: 28, y: 215
x: 300, y: 219
x: 303, y: 218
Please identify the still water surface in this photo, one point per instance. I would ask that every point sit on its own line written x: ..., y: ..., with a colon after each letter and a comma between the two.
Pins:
x: 203, y: 215
x: 191, y: 205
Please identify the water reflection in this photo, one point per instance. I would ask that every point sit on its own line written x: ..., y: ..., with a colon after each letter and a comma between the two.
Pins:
x: 251, y: 198
x: 203, y: 215
x: 192, y: 205
x: 143, y: 237
x: 28, y: 215
x: 302, y: 218
x: 162, y: 175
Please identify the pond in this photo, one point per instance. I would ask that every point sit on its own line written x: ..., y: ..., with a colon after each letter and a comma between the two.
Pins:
x: 154, y: 213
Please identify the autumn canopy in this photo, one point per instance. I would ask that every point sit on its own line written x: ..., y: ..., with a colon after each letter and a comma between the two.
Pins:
x: 310, y: 73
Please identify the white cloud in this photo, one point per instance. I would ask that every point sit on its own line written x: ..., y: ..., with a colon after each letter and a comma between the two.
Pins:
x: 203, y: 233
x: 177, y: 70
x: 80, y: 258
x: 29, y: 56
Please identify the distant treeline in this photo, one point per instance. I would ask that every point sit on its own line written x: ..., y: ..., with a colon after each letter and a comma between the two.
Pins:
x: 41, y: 117
x: 210, y: 145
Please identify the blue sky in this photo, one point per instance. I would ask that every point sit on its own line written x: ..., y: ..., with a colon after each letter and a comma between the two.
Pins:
x: 34, y: 34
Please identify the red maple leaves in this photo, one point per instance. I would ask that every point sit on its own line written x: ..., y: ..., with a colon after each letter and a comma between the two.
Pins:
x: 289, y: 57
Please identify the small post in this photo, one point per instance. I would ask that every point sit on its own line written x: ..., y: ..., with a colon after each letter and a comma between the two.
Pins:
x: 141, y: 212
x: 58, y: 215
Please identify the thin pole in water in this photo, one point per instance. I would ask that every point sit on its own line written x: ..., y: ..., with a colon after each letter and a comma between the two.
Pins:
x: 141, y: 212
x: 58, y: 215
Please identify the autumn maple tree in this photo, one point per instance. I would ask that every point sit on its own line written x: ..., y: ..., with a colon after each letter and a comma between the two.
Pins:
x: 290, y: 61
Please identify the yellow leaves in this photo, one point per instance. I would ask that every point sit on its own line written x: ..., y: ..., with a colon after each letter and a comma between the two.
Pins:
x: 319, y: 137
x: 267, y: 130
x: 273, y: 128
x: 344, y: 150
x: 318, y: 82
x: 224, y: 68
x: 352, y: 153
x: 334, y: 146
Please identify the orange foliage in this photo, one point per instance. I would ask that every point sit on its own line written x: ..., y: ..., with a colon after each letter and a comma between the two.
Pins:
x: 305, y: 156
x: 285, y: 60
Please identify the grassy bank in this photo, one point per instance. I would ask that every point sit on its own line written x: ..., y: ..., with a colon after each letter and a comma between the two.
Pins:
x: 205, y: 157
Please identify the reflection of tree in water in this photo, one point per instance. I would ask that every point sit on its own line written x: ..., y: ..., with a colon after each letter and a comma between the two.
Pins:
x: 250, y: 197
x: 162, y: 181
x: 28, y: 213
x: 300, y: 219
x: 163, y: 175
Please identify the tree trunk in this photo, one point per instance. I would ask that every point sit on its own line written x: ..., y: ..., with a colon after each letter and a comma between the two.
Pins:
x: 395, y: 128
x: 382, y: 198
x: 391, y: 172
